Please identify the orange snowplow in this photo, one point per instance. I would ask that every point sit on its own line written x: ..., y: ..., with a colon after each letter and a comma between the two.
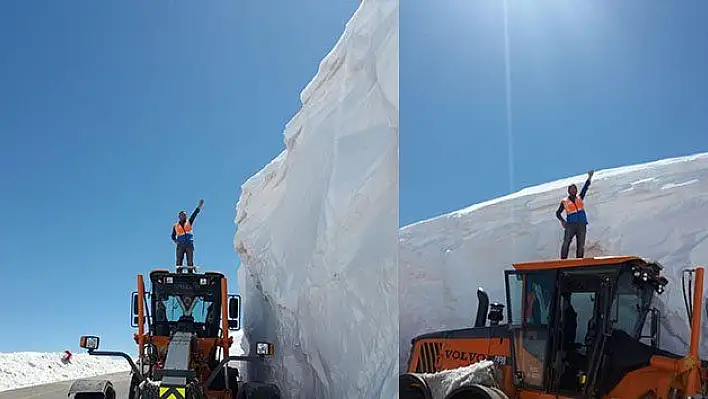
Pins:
x: 575, y: 328
x: 183, y: 343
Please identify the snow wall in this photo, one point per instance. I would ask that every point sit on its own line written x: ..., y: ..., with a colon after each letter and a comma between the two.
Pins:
x: 318, y: 226
x: 657, y: 210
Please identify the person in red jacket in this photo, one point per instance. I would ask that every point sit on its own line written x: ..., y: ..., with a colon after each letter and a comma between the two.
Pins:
x: 576, y: 221
x: 183, y: 236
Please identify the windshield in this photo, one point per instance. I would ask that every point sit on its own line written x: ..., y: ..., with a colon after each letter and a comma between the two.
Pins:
x: 630, y: 305
x: 175, y: 306
x: 530, y: 297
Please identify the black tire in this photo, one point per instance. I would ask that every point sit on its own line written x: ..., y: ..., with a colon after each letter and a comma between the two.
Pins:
x: 150, y: 392
x: 110, y: 394
x: 234, y: 383
x: 194, y: 391
x: 134, y: 390
x: 476, y: 392
x: 219, y: 383
x: 411, y: 386
x: 258, y: 390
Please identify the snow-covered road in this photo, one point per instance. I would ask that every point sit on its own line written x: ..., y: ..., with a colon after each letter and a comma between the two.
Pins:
x: 59, y: 390
x: 24, y: 369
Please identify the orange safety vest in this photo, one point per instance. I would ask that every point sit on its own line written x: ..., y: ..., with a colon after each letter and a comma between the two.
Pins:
x: 575, y: 210
x: 572, y: 207
x: 184, y: 233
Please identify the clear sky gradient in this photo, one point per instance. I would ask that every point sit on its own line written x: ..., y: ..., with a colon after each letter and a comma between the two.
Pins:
x: 595, y: 84
x: 114, y: 116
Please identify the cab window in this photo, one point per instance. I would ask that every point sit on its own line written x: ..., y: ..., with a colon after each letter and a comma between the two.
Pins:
x: 173, y: 309
x: 530, y: 297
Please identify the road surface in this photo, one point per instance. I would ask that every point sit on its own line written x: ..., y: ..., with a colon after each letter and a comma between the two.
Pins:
x: 59, y: 390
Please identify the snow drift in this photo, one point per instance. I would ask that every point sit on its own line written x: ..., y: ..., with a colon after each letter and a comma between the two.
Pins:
x: 655, y: 210
x: 24, y: 369
x: 443, y: 383
x: 318, y: 226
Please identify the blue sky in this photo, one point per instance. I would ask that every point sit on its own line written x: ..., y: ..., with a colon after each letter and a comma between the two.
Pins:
x: 595, y: 84
x: 116, y: 115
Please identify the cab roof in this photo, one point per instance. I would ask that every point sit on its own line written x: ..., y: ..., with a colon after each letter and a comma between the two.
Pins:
x: 166, y: 272
x: 581, y: 262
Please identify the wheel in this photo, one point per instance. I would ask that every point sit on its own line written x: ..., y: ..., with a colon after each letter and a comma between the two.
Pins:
x: 476, y: 392
x: 92, y: 389
x: 410, y: 386
x: 110, y: 394
x: 258, y: 390
x: 193, y: 391
x: 150, y: 391
x: 134, y: 390
x: 219, y: 384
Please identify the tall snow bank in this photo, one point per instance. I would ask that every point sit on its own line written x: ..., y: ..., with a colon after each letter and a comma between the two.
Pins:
x: 655, y: 210
x: 24, y: 369
x: 318, y: 226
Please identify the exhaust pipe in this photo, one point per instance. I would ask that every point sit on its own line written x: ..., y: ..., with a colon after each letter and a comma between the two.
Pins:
x: 482, y: 308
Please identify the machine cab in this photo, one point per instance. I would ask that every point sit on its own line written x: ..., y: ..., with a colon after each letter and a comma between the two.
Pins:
x: 562, y: 312
x: 188, y: 302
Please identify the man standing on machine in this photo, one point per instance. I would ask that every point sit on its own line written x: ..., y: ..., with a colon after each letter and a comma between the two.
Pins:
x: 183, y: 236
x: 576, y: 221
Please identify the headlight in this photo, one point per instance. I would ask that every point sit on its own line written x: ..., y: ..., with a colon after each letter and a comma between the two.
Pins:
x: 89, y: 342
x: 264, y: 349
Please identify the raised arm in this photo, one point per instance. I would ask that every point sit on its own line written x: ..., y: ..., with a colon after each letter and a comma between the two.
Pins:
x: 196, y: 212
x: 193, y: 216
x: 586, y: 185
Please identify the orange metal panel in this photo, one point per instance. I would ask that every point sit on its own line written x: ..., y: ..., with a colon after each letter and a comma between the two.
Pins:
x: 639, y: 382
x: 694, y: 378
x: 141, y: 316
x: 531, y: 394
x: 225, y: 342
x: 570, y: 263
x: 462, y: 352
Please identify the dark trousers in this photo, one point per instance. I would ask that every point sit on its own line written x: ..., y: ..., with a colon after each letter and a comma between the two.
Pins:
x: 185, y: 249
x: 576, y: 230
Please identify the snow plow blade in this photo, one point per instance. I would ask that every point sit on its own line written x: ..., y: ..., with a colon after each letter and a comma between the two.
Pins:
x: 92, y: 389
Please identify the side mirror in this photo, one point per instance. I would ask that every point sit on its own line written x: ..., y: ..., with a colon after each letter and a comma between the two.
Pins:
x: 234, y: 312
x: 134, y: 309
x: 135, y: 303
x: 134, y: 314
x: 89, y: 342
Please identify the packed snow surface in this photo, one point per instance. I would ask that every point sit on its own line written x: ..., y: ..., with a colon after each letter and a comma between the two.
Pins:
x: 655, y: 210
x: 318, y: 226
x: 23, y: 369
x: 444, y: 382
